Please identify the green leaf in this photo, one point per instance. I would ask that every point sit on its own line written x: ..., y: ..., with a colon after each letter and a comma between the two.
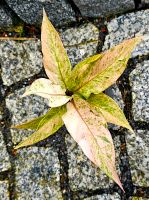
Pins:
x: 87, y: 127
x: 56, y: 61
x: 109, y: 109
x: 82, y: 72
x: 107, y: 69
x: 45, y: 88
x: 48, y: 125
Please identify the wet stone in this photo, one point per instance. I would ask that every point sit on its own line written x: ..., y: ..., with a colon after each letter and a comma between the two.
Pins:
x: 19, y: 60
x: 140, y: 91
x: 31, y: 12
x: 22, y: 110
x: 138, y: 152
x: 4, y: 157
x: 96, y: 8
x: 83, y: 174
x: 127, y: 26
x: 114, y: 196
x: 37, y: 174
x: 4, y: 193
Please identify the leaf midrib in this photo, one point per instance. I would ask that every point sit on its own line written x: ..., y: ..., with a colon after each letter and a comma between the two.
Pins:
x: 89, y: 131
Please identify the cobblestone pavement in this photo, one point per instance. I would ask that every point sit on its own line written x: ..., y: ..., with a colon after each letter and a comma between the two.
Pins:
x: 56, y: 168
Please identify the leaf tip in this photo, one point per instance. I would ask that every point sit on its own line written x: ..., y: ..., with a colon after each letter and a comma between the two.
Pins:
x: 44, y: 12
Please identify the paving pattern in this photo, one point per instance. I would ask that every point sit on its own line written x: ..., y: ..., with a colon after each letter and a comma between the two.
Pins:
x: 56, y: 168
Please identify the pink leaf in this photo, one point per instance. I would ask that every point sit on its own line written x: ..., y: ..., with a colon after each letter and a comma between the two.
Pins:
x: 88, y: 128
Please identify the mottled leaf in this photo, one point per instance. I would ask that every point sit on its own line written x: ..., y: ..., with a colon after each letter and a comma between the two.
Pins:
x: 109, y: 109
x: 36, y: 123
x: 47, y: 126
x: 87, y: 127
x: 56, y: 61
x: 44, y: 88
x: 82, y: 71
x: 107, y: 69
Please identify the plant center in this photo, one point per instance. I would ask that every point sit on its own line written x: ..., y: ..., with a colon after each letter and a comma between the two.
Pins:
x: 69, y: 93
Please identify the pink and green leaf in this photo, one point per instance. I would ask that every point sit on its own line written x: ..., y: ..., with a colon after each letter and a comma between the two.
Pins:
x: 88, y: 128
x: 109, y: 109
x: 82, y: 72
x: 47, y: 126
x: 55, y: 59
x: 107, y: 69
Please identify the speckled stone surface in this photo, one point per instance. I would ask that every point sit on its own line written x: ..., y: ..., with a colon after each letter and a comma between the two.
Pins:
x: 24, y: 109
x: 138, y: 152
x: 37, y: 174
x: 4, y: 193
x: 83, y: 174
x: 19, y: 60
x: 81, y: 34
x: 81, y: 42
x: 4, y: 157
x: 6, y: 17
x: 128, y: 26
x: 96, y: 8
x: 59, y: 11
x: 114, y: 196
x: 80, y: 52
x: 145, y: 1
x: 139, y: 80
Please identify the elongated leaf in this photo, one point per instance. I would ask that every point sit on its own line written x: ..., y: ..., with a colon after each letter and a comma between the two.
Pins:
x: 36, y: 123
x: 82, y: 71
x: 47, y: 126
x: 56, y: 61
x: 110, y: 110
x: 87, y: 127
x: 107, y: 69
x: 44, y: 88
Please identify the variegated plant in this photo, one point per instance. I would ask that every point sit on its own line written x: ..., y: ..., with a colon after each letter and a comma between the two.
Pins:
x: 77, y: 100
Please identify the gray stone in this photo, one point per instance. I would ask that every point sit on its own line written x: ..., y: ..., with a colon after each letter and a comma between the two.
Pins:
x: 4, y: 193
x: 80, y: 42
x: 79, y: 35
x: 83, y: 174
x: 145, y: 1
x: 24, y: 109
x: 127, y: 26
x: 138, y: 152
x: 100, y: 8
x: 80, y: 52
x: 140, y: 91
x: 114, y: 196
x: 6, y: 18
x: 19, y: 60
x: 58, y: 11
x: 37, y: 174
x: 4, y: 157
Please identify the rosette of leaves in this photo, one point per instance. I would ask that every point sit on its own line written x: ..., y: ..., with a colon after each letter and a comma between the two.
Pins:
x: 77, y: 100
